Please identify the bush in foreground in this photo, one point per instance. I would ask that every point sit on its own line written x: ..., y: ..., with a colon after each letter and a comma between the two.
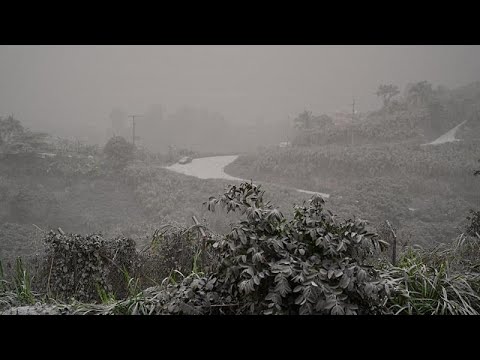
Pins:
x: 268, y: 264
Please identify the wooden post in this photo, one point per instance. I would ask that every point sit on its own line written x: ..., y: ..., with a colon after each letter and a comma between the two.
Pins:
x: 204, y: 239
x: 394, y: 245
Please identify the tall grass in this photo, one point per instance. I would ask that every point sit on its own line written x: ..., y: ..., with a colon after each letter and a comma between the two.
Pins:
x: 440, y: 281
x: 19, y: 291
x: 23, y: 283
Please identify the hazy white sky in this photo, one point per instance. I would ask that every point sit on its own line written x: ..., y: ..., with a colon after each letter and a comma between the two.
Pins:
x: 75, y: 87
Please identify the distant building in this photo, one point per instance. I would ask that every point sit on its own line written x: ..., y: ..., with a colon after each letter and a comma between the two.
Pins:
x: 345, y: 117
x: 342, y: 117
x: 285, y: 144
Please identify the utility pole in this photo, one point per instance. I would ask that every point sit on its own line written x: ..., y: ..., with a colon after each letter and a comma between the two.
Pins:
x: 133, y: 127
x: 353, y: 116
x: 287, y: 128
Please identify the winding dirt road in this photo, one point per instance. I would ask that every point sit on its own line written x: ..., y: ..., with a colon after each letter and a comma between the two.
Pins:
x: 213, y: 168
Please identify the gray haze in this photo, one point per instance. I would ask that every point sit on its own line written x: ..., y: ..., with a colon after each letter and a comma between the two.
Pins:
x: 71, y: 90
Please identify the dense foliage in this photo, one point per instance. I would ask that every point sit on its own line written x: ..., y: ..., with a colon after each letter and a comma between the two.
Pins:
x: 118, y: 152
x: 71, y: 169
x: 387, y: 92
x: 310, y: 264
x: 85, y: 266
x: 267, y: 264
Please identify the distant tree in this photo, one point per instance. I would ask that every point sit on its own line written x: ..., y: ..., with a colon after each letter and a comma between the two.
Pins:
x: 420, y: 93
x: 304, y: 121
x: 387, y: 92
x: 9, y: 129
x: 323, y: 121
x: 118, y: 152
x: 14, y: 138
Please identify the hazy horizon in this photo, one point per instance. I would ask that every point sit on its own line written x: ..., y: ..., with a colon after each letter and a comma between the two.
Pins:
x: 73, y: 89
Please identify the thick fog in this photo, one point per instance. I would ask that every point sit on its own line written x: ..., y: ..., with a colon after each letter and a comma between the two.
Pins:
x: 72, y: 90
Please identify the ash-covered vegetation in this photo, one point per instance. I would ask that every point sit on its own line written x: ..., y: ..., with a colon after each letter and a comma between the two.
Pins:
x: 306, y: 262
x: 108, y: 228
x: 381, y: 166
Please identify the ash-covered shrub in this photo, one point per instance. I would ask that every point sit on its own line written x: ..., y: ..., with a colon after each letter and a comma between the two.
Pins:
x: 118, y: 152
x: 84, y: 267
x: 194, y: 295
x: 311, y: 264
x: 175, y: 251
